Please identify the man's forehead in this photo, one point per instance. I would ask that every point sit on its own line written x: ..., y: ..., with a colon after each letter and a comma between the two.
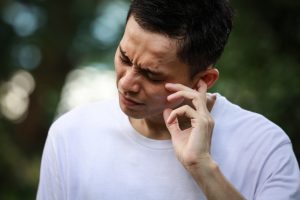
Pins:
x: 158, y: 44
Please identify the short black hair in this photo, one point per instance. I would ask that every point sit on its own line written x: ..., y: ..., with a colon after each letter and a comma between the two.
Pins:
x: 202, y: 27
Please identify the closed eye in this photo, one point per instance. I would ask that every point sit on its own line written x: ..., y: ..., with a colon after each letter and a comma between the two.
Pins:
x: 154, y: 79
x: 151, y: 76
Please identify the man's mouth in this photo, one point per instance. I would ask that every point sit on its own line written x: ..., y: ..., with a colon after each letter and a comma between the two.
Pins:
x: 129, y: 101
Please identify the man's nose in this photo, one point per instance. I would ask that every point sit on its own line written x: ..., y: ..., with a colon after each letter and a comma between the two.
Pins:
x: 130, y: 81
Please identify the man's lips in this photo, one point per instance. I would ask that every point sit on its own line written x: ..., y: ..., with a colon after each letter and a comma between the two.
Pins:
x: 128, y: 101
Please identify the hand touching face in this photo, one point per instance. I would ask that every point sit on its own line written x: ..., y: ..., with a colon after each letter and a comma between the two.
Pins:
x: 193, y: 144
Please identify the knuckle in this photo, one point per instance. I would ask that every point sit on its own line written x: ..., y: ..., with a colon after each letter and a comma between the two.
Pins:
x: 195, y: 95
x: 208, y: 120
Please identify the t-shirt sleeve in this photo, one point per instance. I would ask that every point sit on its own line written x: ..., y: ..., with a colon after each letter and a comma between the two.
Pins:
x: 280, y: 176
x: 50, y: 183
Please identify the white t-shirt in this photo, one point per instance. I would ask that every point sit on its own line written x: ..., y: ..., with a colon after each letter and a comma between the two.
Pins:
x: 93, y: 153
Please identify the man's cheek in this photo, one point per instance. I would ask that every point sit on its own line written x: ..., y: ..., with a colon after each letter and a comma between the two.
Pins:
x: 159, y: 98
x: 176, y: 103
x: 163, y: 101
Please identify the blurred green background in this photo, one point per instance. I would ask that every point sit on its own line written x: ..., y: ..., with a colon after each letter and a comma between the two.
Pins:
x: 57, y: 54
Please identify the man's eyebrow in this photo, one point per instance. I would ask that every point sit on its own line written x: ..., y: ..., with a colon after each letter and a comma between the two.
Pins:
x: 122, y: 52
x: 145, y: 69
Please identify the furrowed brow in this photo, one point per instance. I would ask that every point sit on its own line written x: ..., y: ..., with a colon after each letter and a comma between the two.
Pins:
x: 144, y: 69
x: 122, y: 52
x: 149, y: 71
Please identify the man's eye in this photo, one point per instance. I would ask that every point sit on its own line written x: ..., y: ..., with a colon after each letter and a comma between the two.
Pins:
x: 153, y: 78
x: 125, y: 61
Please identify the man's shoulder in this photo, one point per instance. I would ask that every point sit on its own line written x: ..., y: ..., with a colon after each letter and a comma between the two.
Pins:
x: 91, y: 109
x: 243, y: 134
x: 88, y: 116
x: 248, y: 125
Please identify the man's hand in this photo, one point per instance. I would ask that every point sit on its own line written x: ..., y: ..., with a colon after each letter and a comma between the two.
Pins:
x: 191, y: 145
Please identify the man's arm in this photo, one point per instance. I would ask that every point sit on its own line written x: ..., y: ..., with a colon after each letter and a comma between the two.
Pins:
x: 192, y: 145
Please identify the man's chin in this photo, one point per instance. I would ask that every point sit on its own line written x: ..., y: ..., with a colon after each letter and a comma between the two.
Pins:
x: 140, y: 114
x: 131, y: 113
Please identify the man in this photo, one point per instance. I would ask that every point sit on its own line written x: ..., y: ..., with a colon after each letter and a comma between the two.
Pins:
x: 168, y: 138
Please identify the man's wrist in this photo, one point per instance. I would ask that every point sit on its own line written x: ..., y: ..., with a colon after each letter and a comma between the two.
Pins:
x: 213, y: 183
x: 204, y: 169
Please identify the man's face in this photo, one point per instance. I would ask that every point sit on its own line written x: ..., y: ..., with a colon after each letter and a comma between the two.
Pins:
x: 144, y: 63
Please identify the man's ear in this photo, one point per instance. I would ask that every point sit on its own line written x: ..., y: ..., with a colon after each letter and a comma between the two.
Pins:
x: 209, y: 76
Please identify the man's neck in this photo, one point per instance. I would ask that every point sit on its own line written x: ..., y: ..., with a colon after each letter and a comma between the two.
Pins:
x: 153, y: 128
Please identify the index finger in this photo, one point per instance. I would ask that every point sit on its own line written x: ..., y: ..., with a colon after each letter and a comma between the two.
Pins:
x: 180, y: 92
x: 175, y: 87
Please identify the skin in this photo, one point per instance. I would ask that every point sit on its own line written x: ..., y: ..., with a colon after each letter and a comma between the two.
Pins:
x: 157, y: 104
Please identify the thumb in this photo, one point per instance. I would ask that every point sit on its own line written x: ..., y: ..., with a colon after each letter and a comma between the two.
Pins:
x: 166, y: 114
x: 172, y: 126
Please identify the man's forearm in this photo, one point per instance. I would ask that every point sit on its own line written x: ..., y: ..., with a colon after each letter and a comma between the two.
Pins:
x: 212, y: 182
